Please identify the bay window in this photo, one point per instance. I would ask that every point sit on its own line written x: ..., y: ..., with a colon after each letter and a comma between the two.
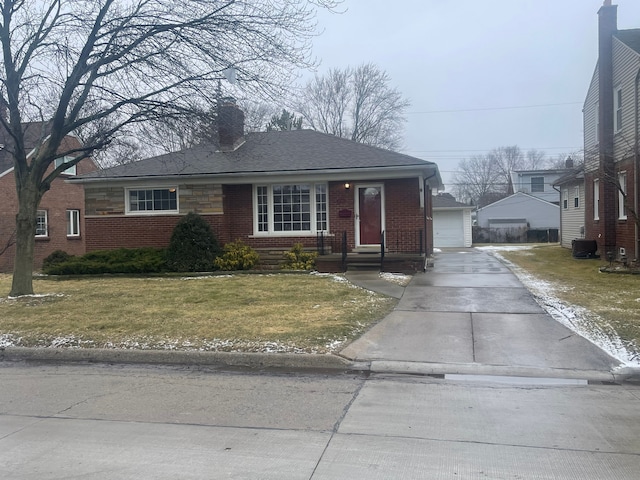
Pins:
x: 287, y: 208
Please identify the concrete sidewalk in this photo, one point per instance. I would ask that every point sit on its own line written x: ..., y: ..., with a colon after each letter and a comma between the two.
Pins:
x: 471, y: 315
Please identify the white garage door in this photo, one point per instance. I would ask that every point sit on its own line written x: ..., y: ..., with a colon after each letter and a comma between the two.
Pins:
x: 448, y: 229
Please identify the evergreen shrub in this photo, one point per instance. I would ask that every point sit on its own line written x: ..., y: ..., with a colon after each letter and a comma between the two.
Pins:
x: 122, y: 260
x: 193, y: 247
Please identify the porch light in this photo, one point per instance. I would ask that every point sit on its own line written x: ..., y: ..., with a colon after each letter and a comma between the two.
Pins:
x: 347, y: 186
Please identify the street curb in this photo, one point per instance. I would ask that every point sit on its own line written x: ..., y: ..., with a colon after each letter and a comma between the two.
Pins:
x: 418, y: 368
x: 161, y: 357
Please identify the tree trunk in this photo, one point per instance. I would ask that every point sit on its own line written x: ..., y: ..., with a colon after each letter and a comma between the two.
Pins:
x: 25, y: 242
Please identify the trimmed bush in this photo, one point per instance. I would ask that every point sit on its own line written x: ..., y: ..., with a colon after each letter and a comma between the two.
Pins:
x: 123, y: 260
x: 298, y: 259
x: 237, y: 256
x: 193, y: 247
x: 55, y: 258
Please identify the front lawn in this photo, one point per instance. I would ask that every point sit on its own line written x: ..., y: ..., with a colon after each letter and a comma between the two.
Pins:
x: 612, y: 299
x: 285, y: 313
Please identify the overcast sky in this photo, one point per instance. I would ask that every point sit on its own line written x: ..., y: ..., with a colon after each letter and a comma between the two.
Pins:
x: 489, y: 56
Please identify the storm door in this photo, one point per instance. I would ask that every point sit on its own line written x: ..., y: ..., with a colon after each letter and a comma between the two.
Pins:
x: 369, y: 217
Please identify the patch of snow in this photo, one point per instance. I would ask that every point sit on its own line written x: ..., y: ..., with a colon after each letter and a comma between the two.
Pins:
x: 578, y: 319
x: 504, y: 248
x: 398, y: 278
x: 202, y: 277
x: 9, y: 340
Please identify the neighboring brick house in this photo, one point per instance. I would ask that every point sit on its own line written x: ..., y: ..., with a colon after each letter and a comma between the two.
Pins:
x: 60, y: 214
x: 269, y: 189
x: 611, y: 137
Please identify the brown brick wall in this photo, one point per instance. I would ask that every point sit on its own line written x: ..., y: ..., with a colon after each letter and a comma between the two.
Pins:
x: 403, y: 213
x: 60, y: 198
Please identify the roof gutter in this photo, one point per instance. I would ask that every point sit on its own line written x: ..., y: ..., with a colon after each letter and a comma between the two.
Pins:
x: 248, y: 177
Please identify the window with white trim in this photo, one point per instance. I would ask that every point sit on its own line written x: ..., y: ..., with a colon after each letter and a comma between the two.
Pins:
x: 565, y: 199
x: 576, y: 197
x: 285, y: 208
x: 152, y: 200
x: 69, y: 171
x: 622, y: 194
x: 537, y: 184
x: 596, y: 199
x: 617, y: 108
x: 73, y: 223
x: 42, y: 224
x: 597, y: 122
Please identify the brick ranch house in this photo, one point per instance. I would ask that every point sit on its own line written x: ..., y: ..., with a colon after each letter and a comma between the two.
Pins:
x: 271, y: 190
x: 611, y: 139
x: 60, y: 222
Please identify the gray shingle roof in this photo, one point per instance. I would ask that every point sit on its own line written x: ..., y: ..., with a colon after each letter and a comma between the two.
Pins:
x: 447, y: 201
x: 630, y: 37
x: 295, y: 151
x: 33, y: 134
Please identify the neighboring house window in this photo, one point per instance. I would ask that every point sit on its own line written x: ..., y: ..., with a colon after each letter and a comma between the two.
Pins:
x: 565, y: 199
x: 537, y: 184
x: 597, y: 122
x: 576, y: 197
x: 153, y: 200
x: 617, y: 100
x: 73, y: 223
x: 622, y: 193
x: 291, y: 208
x: 69, y: 171
x: 596, y: 199
x: 42, y: 226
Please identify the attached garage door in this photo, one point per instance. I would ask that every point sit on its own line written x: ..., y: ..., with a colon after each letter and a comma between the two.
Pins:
x: 448, y: 228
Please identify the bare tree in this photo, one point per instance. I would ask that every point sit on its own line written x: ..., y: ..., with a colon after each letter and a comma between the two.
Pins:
x: 356, y: 103
x: 108, y: 65
x: 478, y: 181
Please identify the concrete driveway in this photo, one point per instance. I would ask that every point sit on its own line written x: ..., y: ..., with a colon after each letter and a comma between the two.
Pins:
x: 470, y: 314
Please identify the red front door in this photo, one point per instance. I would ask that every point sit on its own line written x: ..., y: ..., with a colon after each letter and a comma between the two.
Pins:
x: 370, y: 214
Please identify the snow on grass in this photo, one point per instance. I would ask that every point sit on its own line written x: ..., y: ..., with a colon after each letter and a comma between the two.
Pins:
x: 578, y: 319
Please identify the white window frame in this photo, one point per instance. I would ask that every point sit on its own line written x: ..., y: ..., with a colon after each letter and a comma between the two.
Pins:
x: 313, y: 207
x: 597, y: 135
x: 531, y: 184
x: 73, y: 223
x: 565, y: 199
x: 42, y: 214
x: 127, y: 199
x: 617, y: 109
x: 596, y: 199
x: 576, y: 197
x: 69, y: 171
x: 622, y: 191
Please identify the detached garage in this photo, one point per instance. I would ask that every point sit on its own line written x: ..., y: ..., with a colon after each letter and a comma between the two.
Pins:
x: 451, y: 222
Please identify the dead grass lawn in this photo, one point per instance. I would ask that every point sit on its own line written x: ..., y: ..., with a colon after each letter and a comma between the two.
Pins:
x: 615, y: 298
x: 309, y: 313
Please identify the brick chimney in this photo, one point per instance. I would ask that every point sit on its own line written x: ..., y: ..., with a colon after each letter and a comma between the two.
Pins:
x: 568, y: 163
x: 607, y: 27
x: 230, y: 125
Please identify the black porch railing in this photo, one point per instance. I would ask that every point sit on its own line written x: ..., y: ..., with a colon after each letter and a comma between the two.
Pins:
x: 391, y: 241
